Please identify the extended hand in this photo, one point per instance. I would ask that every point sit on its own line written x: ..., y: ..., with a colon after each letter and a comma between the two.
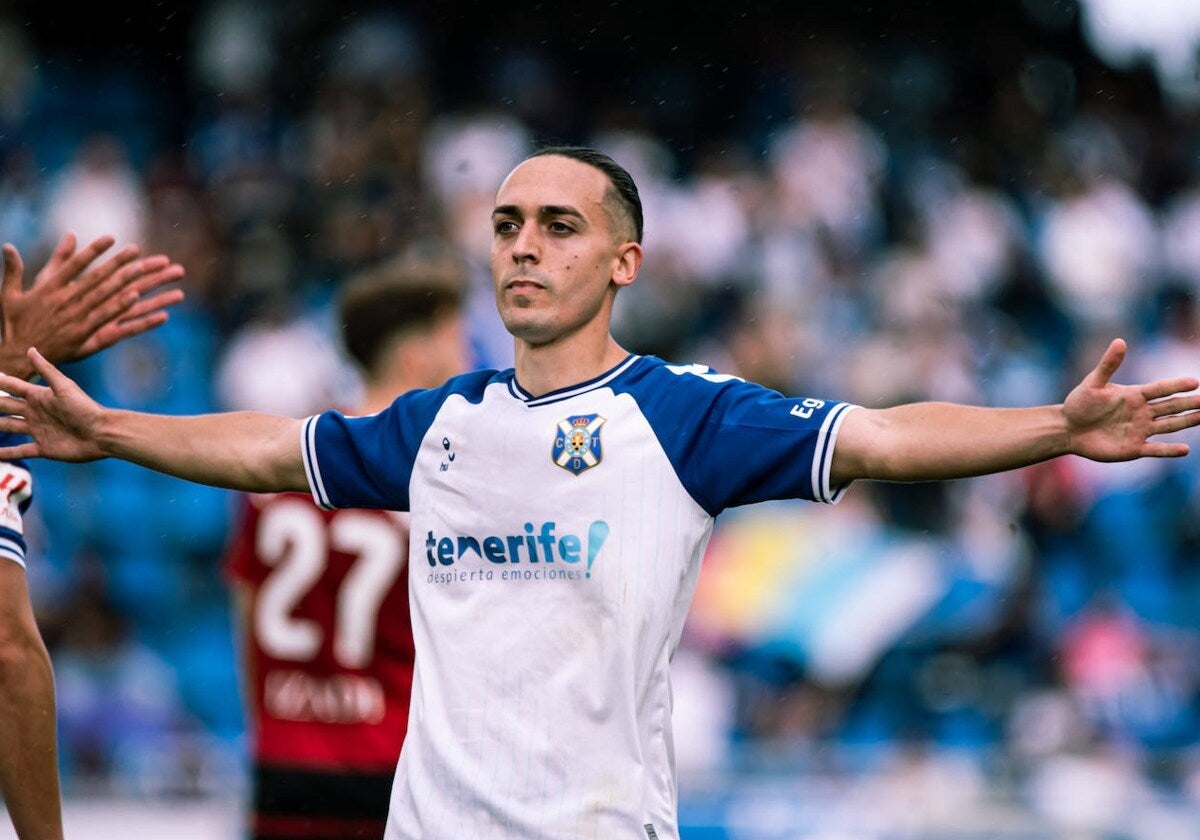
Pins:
x: 59, y: 416
x: 1109, y: 422
x: 69, y: 317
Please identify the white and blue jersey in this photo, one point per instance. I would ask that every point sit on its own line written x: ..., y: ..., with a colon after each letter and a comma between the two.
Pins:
x: 556, y: 542
x: 16, y: 493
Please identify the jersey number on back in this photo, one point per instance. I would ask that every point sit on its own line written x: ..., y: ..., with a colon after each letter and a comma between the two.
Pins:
x: 295, y: 539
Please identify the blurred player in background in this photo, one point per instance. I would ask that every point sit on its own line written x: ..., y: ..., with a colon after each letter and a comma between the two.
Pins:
x: 322, y: 596
x: 73, y: 314
x: 562, y: 507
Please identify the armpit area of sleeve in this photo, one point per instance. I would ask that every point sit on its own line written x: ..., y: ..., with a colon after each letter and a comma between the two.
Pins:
x: 823, y: 462
x: 312, y: 467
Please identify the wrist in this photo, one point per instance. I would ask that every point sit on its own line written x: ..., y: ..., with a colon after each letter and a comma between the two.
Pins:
x: 108, y: 431
x: 1063, y: 439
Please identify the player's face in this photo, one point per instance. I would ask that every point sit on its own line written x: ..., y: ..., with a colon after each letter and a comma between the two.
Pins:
x: 556, y: 259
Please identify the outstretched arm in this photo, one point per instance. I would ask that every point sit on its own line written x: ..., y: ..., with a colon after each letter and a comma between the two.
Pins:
x: 1099, y: 420
x: 74, y: 309
x: 239, y: 450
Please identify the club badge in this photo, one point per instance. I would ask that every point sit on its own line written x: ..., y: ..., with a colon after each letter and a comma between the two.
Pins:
x: 577, y: 442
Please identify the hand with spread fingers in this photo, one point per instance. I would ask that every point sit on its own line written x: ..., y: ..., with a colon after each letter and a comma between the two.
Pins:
x: 59, y: 417
x: 1110, y: 422
x: 74, y: 308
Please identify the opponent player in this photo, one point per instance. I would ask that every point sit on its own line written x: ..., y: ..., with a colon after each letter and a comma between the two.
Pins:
x: 322, y: 595
x: 560, y: 509
x: 73, y: 316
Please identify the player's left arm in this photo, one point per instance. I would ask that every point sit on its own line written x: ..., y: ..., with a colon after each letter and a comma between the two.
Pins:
x: 75, y: 308
x: 1099, y: 420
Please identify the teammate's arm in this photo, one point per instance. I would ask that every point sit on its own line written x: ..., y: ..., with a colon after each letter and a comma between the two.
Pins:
x: 239, y: 450
x: 1099, y: 420
x: 29, y: 757
x: 71, y: 314
x: 74, y: 309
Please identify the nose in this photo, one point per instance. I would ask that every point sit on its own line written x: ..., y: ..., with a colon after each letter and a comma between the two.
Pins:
x: 527, y: 245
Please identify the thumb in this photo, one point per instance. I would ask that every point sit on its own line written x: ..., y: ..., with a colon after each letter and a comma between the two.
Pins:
x: 1102, y: 374
x: 14, y: 269
x: 53, y: 376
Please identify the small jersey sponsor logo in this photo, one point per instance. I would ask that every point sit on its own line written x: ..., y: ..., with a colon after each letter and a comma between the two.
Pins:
x: 577, y: 442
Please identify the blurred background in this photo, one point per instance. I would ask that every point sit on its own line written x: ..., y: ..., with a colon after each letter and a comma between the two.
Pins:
x: 877, y: 202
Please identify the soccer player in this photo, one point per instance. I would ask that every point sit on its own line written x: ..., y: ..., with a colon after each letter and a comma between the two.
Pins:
x: 560, y: 509
x: 73, y: 316
x: 322, y: 595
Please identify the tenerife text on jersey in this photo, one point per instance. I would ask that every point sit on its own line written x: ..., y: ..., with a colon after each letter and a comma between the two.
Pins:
x: 546, y: 554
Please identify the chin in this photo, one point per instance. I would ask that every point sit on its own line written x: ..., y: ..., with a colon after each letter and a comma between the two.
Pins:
x: 530, y: 331
x: 519, y: 319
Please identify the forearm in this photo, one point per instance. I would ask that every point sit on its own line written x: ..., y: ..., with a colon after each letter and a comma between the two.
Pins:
x: 241, y: 450
x: 29, y: 757
x: 934, y: 441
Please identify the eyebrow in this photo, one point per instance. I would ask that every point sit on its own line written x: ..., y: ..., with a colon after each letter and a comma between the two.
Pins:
x: 544, y: 210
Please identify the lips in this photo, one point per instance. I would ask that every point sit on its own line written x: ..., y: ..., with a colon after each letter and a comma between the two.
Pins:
x: 524, y: 286
x: 523, y: 282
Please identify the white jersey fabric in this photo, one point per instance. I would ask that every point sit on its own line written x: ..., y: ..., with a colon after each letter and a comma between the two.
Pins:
x: 556, y: 543
x: 16, y: 494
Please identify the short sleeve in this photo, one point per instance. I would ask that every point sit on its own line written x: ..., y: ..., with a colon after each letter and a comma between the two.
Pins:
x: 734, y: 442
x: 367, y: 461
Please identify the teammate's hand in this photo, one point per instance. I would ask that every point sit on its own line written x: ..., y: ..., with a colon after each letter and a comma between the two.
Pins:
x: 69, y: 316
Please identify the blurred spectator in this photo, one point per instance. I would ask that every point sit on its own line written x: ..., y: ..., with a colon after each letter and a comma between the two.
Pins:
x: 1098, y: 238
x: 464, y: 158
x: 118, y: 701
x: 282, y: 365
x: 98, y: 192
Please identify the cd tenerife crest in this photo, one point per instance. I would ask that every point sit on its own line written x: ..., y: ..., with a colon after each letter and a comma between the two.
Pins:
x: 577, y: 442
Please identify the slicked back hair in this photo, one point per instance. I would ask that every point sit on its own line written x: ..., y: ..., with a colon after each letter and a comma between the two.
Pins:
x: 623, y: 192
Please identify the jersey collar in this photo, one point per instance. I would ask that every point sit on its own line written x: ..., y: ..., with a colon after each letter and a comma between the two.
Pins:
x: 572, y: 390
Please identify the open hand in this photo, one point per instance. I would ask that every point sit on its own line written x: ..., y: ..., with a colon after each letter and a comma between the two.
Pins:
x: 1110, y: 422
x: 70, y: 317
x: 59, y: 416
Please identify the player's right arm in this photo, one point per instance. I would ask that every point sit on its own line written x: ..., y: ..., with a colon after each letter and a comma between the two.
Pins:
x: 242, y: 450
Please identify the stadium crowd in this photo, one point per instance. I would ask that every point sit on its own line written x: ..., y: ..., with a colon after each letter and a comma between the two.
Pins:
x: 878, y: 221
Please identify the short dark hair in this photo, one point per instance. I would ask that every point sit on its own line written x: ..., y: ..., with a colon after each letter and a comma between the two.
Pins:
x: 623, y: 191
x: 382, y: 303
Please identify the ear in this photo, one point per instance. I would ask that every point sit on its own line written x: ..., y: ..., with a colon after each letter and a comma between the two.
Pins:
x: 627, y: 264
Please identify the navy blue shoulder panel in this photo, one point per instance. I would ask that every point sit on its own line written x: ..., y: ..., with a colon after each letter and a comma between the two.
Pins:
x: 734, y: 442
x: 366, y: 462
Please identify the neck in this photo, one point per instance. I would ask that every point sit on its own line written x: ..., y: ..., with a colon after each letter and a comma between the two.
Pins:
x: 548, y: 367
